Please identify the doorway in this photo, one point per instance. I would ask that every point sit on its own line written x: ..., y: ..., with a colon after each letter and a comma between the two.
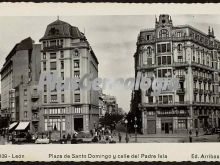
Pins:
x: 78, y: 124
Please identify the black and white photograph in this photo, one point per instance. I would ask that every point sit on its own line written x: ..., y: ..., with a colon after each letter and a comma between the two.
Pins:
x: 110, y: 79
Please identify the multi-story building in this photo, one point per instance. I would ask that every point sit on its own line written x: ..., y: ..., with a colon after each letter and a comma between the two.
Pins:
x: 65, y: 52
x: 19, y: 77
x: 192, y: 56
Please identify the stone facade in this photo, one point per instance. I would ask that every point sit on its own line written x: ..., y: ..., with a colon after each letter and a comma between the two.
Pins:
x: 183, y: 52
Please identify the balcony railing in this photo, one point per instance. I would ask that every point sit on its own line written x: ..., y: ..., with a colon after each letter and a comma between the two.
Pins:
x: 200, y: 78
x: 35, y: 118
x: 181, y: 77
x: 54, y: 47
x: 181, y: 103
x: 180, y: 91
x: 200, y: 91
x: 195, y: 77
x: 195, y: 90
x: 35, y: 95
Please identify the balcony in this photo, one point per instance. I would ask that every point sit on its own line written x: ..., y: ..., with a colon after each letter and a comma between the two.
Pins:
x: 35, y: 96
x: 176, y: 104
x: 195, y: 77
x: 180, y: 64
x: 195, y: 90
x: 200, y: 91
x: 205, y: 92
x: 35, y: 118
x: 54, y: 47
x: 180, y: 91
x: 200, y: 78
x: 205, y: 79
x: 149, y: 67
x: 181, y: 77
x: 35, y: 107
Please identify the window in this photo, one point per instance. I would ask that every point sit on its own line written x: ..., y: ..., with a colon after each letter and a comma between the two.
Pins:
x: 62, y: 75
x: 44, y: 66
x: 163, y: 33
x: 45, y: 98
x: 61, y: 42
x: 61, y: 64
x: 77, y: 97
x: 76, y: 73
x: 166, y: 99
x: 25, y: 103
x: 44, y: 55
x: 53, y: 65
x: 25, y: 114
x: 179, y: 47
x: 150, y: 99
x: 53, y: 98
x: 163, y: 48
x: 44, y: 44
x: 45, y: 88
x: 76, y: 63
x: 53, y: 43
x: 77, y: 109
x: 62, y: 87
x: 164, y: 60
x: 25, y: 92
x: 62, y: 98
x: 164, y: 73
x: 182, y: 124
x: 61, y: 54
x: 76, y: 53
x: 179, y: 34
x: 53, y: 56
x: 149, y: 50
x: 181, y: 98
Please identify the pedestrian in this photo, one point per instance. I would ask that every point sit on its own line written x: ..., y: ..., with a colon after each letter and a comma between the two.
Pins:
x: 119, y: 137
x: 197, y: 133
x: 126, y: 138
x: 190, y: 132
x: 190, y: 138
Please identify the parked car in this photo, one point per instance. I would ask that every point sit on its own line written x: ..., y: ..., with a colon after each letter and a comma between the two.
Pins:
x: 19, y: 138
x: 42, y: 140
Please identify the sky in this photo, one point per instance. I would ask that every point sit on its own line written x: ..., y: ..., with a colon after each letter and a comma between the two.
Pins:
x: 113, y: 39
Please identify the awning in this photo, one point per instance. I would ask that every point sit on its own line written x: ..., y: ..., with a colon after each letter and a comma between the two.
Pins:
x: 22, y: 126
x: 12, y: 125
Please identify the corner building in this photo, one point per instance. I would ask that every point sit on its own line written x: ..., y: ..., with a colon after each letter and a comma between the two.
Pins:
x: 192, y: 56
x: 66, y: 52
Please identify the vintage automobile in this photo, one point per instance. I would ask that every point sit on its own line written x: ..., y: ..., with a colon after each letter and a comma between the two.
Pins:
x: 42, y: 140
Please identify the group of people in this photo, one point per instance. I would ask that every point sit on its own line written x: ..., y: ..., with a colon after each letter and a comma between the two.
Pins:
x: 106, y: 135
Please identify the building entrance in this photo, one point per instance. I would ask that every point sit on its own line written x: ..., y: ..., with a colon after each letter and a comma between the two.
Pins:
x: 167, y: 127
x: 78, y: 124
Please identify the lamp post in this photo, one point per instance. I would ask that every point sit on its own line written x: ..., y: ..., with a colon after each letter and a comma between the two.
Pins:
x: 126, y: 122
x: 135, y: 127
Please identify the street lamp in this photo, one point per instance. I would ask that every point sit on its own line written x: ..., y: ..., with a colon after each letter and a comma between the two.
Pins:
x: 126, y: 122
x: 135, y: 127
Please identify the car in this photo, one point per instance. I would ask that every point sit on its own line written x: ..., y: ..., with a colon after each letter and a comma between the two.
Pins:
x: 19, y: 138
x: 43, y: 140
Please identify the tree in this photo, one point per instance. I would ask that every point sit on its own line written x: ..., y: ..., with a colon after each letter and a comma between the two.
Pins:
x: 110, y: 119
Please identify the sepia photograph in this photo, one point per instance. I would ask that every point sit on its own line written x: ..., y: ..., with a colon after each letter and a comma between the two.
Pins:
x: 110, y: 79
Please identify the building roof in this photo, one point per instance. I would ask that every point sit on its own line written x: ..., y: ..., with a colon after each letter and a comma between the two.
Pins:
x: 26, y: 44
x: 61, y: 29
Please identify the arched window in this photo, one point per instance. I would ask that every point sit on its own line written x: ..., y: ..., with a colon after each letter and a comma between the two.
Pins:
x: 179, y: 47
x: 76, y: 53
x: 163, y: 33
x: 149, y: 50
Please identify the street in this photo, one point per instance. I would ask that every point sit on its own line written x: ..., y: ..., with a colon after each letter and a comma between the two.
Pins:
x: 151, y: 139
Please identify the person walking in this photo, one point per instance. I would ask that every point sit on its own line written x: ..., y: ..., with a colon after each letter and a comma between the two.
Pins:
x: 197, y: 132
x: 190, y: 136
x: 119, y: 137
